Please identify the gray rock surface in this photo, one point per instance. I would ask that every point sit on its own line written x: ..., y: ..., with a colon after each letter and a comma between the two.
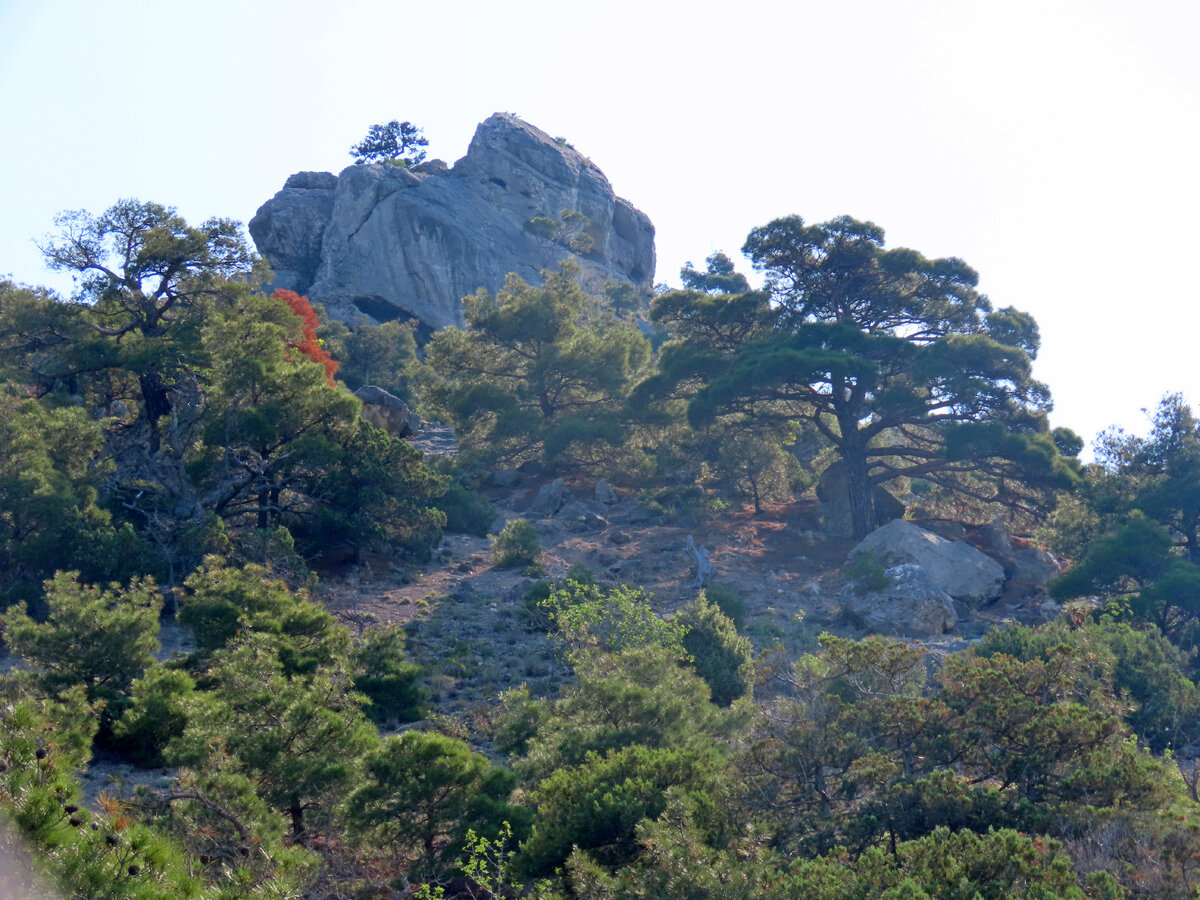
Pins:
x: 957, y: 568
x: 910, y: 606
x: 550, y: 498
x: 605, y: 493
x: 389, y: 242
x: 1033, y: 566
x: 387, y: 411
x: 505, y: 478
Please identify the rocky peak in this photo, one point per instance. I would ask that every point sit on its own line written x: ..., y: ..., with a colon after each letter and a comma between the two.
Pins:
x: 389, y: 241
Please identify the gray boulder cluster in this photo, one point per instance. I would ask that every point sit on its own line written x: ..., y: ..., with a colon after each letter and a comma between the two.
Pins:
x: 388, y: 242
x: 927, y: 574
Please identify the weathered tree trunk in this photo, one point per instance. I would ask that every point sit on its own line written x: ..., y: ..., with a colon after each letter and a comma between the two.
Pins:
x: 296, y: 810
x: 156, y: 403
x: 858, y: 489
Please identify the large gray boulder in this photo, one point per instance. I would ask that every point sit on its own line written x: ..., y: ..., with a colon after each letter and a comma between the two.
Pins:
x: 550, y: 498
x: 390, y: 242
x: 955, y: 567
x: 911, y: 605
x: 387, y: 411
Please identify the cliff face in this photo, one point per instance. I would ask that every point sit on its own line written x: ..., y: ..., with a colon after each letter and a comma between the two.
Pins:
x: 390, y: 242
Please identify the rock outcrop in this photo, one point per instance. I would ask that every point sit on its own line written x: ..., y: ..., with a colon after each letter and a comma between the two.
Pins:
x: 387, y: 411
x: 389, y: 242
x: 910, y: 605
x: 955, y: 567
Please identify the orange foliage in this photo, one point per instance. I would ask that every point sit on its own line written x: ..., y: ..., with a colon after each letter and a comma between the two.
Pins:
x: 311, y: 345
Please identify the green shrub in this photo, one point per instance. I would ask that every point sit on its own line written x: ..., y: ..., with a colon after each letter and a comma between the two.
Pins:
x: 467, y: 511
x: 516, y: 545
x: 390, y: 682
x: 866, y: 571
x: 585, y: 618
x: 535, y: 612
x: 729, y: 602
x: 157, y: 713
x: 676, y: 500
x: 419, y: 794
x: 721, y: 656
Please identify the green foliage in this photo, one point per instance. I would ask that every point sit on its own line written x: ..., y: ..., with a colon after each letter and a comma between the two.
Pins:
x: 643, y: 695
x: 597, y: 806
x: 384, y: 355
x: 569, y: 230
x: 141, y: 266
x: 866, y: 572
x: 201, y: 407
x: 295, y: 735
x: 1159, y: 475
x: 586, y: 618
x: 892, y: 357
x: 466, y: 510
x: 532, y: 378
x: 394, y: 142
x: 721, y: 656
x: 422, y: 792
x: 1140, y: 666
x: 100, y: 638
x: 373, y: 488
x: 1136, y: 563
x: 224, y: 603
x: 232, y: 837
x: 718, y: 277
x: 386, y: 678
x: 728, y: 601
x: 1138, y: 525
x: 101, y: 854
x: 675, y: 862
x: 944, y: 865
x: 516, y: 545
x: 50, y: 519
x: 157, y: 713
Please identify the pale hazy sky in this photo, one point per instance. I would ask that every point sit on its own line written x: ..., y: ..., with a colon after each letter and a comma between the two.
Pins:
x: 1053, y: 145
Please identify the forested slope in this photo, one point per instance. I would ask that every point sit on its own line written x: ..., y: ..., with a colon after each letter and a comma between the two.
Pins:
x: 498, y: 672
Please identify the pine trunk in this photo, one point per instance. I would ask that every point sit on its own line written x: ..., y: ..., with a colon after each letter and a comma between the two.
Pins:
x: 858, y: 490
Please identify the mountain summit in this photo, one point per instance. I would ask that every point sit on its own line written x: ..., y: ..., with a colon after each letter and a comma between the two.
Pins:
x: 389, y: 241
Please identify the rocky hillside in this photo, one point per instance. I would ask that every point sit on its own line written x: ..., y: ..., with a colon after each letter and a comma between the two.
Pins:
x: 388, y: 241
x: 936, y: 583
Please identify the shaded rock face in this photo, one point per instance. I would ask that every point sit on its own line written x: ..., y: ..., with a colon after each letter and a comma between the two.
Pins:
x: 955, y: 567
x: 392, y: 242
x: 832, y: 491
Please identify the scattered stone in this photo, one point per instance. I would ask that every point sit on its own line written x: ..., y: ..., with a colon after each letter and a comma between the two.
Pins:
x: 550, y: 498
x: 581, y: 519
x: 957, y: 568
x: 995, y: 538
x: 620, y: 538
x: 640, y: 515
x: 505, y: 478
x: 605, y: 493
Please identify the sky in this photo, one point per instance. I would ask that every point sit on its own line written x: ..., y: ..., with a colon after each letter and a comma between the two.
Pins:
x: 1054, y: 145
